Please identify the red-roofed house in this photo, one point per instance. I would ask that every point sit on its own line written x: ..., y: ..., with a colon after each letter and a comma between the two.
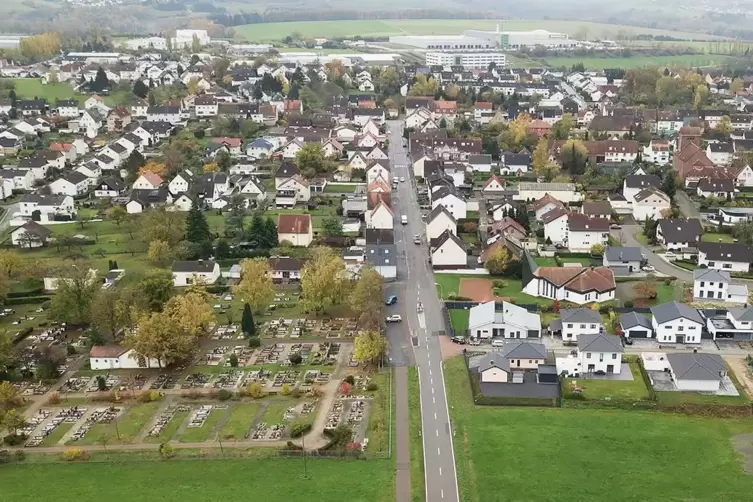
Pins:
x: 233, y: 145
x: 292, y: 106
x: 445, y: 109
x: 540, y: 127
x: 118, y: 119
x: 296, y: 229
x: 493, y: 185
x: 483, y: 112
x: 147, y: 181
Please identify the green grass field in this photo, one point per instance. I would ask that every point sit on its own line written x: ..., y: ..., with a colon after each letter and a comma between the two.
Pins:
x: 28, y: 88
x: 714, y: 237
x: 418, y: 485
x: 587, y: 453
x: 385, y: 28
x: 637, y: 61
x: 459, y: 320
x: 631, y: 390
x: 273, y: 479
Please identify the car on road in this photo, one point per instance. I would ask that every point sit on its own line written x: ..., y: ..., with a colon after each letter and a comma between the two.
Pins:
x: 615, y: 226
x: 416, y: 239
x: 404, y: 219
x: 458, y: 339
x: 649, y: 268
x: 394, y: 318
x: 391, y: 300
x: 402, y: 179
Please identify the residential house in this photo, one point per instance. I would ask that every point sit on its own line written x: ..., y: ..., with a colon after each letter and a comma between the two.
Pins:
x: 378, y: 170
x: 438, y: 221
x: 600, y: 353
x: 110, y: 187
x: 205, y: 106
x: 744, y: 176
x: 379, y: 214
x: 480, y: 163
x: 514, y: 163
x: 292, y: 191
x: 698, y: 372
x: 578, y: 322
x: 67, y: 108
x: 675, y: 322
x: 720, y: 153
x: 650, y: 203
x: 259, y: 149
x: 47, y: 208
x: 720, y: 188
x: 493, y: 185
x: 233, y: 145
x: 676, y: 235
x: 253, y: 188
x: 29, y: 107
x: 297, y: 229
x: 545, y: 204
x: 499, y: 378
x: 657, y: 152
x: 143, y: 199
x: 448, y: 251
x: 30, y: 235
x: 564, y: 192
x: 597, y: 209
x: 732, y: 257
x: 734, y: 324
x: 623, y: 260
x: 163, y: 113
x: 118, y: 119
x: 90, y: 121
x: 574, y: 284
x: 511, y: 321
x: 383, y: 258
x: 74, y: 184
x: 634, y: 184
x: 286, y: 171
x: 186, y: 273
x: 507, y: 227
x: 556, y: 226
x: 147, y: 181
x: 16, y: 179
x: 451, y: 200
x: 714, y: 286
x: 483, y: 112
x: 9, y: 146
x: 634, y: 325
x: 285, y: 269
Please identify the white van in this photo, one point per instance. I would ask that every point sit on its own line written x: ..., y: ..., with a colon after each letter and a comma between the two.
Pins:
x: 404, y: 220
x: 498, y: 342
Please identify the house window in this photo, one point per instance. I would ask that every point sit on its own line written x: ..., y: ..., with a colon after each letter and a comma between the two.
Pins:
x: 614, y: 356
x: 702, y: 283
x: 588, y: 355
x: 582, y: 326
x: 680, y: 328
x: 711, y: 264
x: 593, y: 326
x: 569, y: 325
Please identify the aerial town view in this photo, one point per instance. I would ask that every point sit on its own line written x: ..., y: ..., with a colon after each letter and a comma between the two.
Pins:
x: 465, y: 252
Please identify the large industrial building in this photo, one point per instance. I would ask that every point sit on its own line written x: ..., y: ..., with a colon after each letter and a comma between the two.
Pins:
x: 469, y: 60
x: 479, y: 40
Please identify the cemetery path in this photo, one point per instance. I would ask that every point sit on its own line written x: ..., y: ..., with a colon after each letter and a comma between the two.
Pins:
x: 145, y: 431
x: 38, y: 402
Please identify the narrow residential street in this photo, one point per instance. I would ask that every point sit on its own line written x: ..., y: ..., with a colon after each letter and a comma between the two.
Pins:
x: 627, y: 235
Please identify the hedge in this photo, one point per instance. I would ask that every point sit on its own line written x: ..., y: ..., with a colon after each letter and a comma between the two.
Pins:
x: 573, y: 255
x: 27, y: 299
x: 23, y: 294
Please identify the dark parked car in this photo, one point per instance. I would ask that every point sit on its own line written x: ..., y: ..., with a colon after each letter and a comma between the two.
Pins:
x: 458, y: 339
x: 391, y: 300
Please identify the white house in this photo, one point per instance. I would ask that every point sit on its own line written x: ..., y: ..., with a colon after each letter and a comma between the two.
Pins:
x: 744, y: 176
x: 555, y: 226
x: 676, y: 323
x: 296, y: 229
x: 514, y: 163
x: 583, y: 232
x: 577, y: 322
x: 697, y: 372
x: 657, y: 152
x: 259, y: 149
x: 721, y: 188
x: 719, y: 153
x: 252, y: 188
x: 186, y: 273
x: 480, y: 163
x: 714, y: 286
x: 110, y: 187
x: 512, y: 321
x: 650, y: 203
x: 448, y: 251
x: 545, y: 204
x: 380, y: 216
x: 147, y: 181
x: 600, y: 353
x: 675, y: 234
x: 735, y: 324
x: 378, y: 170
x: 578, y: 285
x: 74, y: 184
x: 383, y: 258
x: 30, y: 235
x: 169, y: 114
x: 293, y: 190
x: 451, y: 200
x: 438, y: 221
x: 20, y: 179
x: 116, y: 357
x: 493, y: 186
x: 730, y: 257
x: 635, y: 183
x: 283, y: 268
x: 564, y: 192
x: 181, y: 182
x: 47, y: 206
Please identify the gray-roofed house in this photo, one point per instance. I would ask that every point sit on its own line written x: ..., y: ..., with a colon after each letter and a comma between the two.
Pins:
x: 698, y: 372
x: 512, y: 321
x: 715, y: 286
x: 383, y: 258
x: 623, y: 261
x: 524, y: 354
x: 186, y: 273
x: 675, y: 322
x: 481, y: 163
x: 497, y: 378
x: 597, y: 209
x: 732, y: 257
x: 735, y: 324
x: 448, y: 251
x: 675, y: 234
x: 30, y: 235
x: 600, y: 353
x: 574, y: 323
x: 635, y: 325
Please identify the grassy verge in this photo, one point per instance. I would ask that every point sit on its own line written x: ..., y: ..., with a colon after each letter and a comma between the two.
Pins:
x: 239, y: 423
x: 459, y: 320
x: 378, y: 431
x: 627, y: 390
x: 417, y: 480
x: 715, y: 237
x: 125, y: 430
x: 205, y: 432
x: 170, y: 429
x: 56, y: 435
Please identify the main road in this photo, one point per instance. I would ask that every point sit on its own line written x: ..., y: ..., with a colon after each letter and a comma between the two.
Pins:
x: 420, y: 331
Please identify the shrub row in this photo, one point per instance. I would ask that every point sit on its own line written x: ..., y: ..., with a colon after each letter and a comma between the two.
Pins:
x: 28, y: 299
x: 24, y: 294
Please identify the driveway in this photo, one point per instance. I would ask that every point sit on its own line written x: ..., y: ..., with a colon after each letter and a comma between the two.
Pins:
x: 687, y: 208
x: 626, y: 234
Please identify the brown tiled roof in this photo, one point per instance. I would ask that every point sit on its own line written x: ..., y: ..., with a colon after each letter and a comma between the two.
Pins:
x: 552, y: 215
x: 107, y: 351
x: 293, y: 223
x: 581, y: 223
x: 594, y: 279
x: 546, y: 199
x: 559, y: 276
x: 484, y: 105
x: 492, y: 178
x: 374, y: 198
x: 502, y: 226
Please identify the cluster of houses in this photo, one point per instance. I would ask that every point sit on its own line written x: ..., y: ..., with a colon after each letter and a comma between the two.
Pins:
x: 523, y: 367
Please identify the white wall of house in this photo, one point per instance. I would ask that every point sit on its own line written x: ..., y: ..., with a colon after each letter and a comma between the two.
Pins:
x: 380, y: 217
x: 556, y: 230
x: 129, y: 360
x: 494, y: 375
x: 667, y: 332
x: 456, y: 206
x: 442, y: 222
x: 299, y: 240
x: 729, y: 266
x: 600, y: 361
x: 709, y: 290
x: 572, y: 330
x: 582, y: 241
x: 187, y: 278
x: 449, y: 255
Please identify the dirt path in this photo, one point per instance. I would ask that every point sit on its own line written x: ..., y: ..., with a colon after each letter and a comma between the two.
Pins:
x: 478, y: 290
x: 742, y: 373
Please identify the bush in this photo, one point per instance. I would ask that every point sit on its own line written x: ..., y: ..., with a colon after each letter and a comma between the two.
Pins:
x: 497, y: 283
x: 295, y: 358
x: 297, y: 393
x: 28, y: 299
x: 70, y: 350
x: 20, y: 455
x: 350, y: 379
x: 149, y: 396
x: 372, y: 387
x: 224, y: 395
x: 54, y: 399
x: 285, y: 391
x: 166, y: 450
x: 255, y: 391
x: 629, y: 304
x: 14, y: 439
x: 73, y: 454
x: 299, y: 429
x: 254, y: 342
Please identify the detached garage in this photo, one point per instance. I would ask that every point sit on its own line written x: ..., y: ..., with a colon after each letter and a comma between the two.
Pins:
x: 636, y: 326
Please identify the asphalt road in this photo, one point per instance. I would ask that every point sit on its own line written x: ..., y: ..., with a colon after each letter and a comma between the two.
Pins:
x: 626, y: 235
x: 418, y: 333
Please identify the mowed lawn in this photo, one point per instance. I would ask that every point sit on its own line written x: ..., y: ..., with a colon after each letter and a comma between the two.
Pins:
x: 584, y: 454
x: 29, y: 88
x: 459, y: 320
x: 272, y: 479
x: 716, y: 238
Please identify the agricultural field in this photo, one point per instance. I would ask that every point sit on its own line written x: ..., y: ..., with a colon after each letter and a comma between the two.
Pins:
x: 279, y: 479
x: 635, y: 446
x: 385, y: 28
x: 637, y: 61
